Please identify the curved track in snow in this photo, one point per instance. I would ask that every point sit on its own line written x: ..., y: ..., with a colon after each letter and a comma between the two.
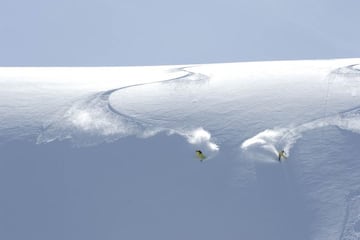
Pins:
x: 89, y: 120
x: 270, y: 141
x: 188, y: 74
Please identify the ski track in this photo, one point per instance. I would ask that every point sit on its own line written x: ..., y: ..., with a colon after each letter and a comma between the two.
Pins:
x: 270, y: 141
x: 93, y: 120
x: 273, y: 140
x: 350, y: 229
x: 106, y: 95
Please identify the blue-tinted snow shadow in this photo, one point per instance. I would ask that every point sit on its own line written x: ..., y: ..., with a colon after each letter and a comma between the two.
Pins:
x: 139, y: 188
x: 325, y: 164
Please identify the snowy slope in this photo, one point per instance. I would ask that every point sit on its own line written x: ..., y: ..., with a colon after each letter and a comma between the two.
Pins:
x: 311, y: 109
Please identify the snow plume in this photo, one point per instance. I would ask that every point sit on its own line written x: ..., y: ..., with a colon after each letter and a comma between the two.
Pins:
x: 88, y: 122
x: 202, y: 138
x: 263, y: 145
x: 266, y: 144
x: 199, y: 138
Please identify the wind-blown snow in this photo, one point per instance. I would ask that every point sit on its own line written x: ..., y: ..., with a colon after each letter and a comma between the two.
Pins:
x: 255, y: 108
x: 272, y: 140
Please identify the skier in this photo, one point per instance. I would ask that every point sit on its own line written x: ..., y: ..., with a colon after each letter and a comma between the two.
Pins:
x: 282, y: 154
x: 200, y: 155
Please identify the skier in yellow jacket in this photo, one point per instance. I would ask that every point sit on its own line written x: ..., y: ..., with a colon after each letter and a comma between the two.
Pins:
x: 282, y: 154
x: 200, y: 155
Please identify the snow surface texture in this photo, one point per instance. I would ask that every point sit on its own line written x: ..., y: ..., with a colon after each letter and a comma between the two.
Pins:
x: 254, y: 108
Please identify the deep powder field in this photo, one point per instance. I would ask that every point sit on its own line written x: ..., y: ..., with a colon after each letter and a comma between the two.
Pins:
x: 109, y: 152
